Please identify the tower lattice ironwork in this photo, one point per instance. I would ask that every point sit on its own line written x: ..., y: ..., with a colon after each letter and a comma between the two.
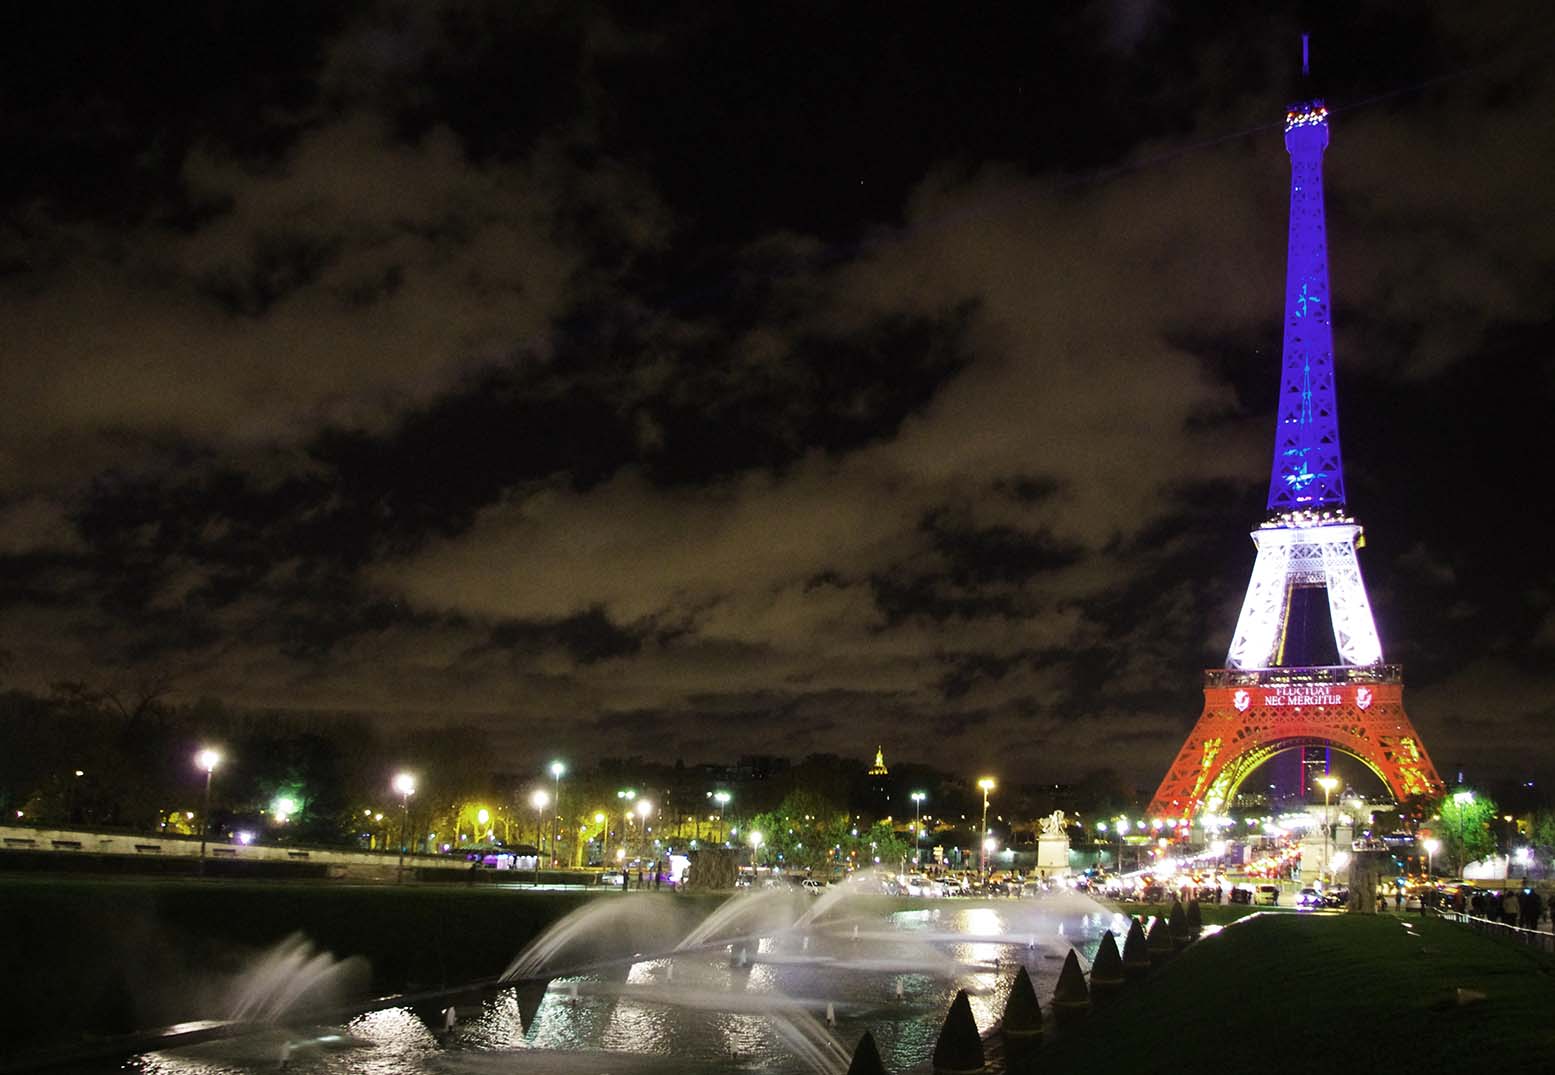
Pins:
x: 1272, y: 695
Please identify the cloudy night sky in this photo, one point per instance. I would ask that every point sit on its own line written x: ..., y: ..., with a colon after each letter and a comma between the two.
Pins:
x: 727, y: 378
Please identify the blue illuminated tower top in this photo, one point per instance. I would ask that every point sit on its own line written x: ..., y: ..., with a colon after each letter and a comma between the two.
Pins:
x: 1307, y: 470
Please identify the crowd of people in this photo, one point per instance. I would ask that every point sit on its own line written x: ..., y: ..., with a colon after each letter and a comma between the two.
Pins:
x: 1521, y: 907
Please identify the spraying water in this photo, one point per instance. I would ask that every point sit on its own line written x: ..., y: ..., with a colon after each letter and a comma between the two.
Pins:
x: 774, y: 907
x: 291, y: 976
x: 600, y: 924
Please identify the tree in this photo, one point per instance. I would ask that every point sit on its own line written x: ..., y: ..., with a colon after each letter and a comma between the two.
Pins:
x: 1542, y: 832
x: 1465, y: 817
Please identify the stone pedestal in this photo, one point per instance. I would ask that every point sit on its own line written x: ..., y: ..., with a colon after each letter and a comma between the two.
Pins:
x: 1365, y: 868
x: 1053, y: 855
x: 712, y: 869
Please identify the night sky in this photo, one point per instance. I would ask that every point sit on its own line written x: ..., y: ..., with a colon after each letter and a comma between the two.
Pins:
x: 717, y: 379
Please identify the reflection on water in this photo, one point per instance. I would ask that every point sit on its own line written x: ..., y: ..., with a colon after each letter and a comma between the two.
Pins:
x: 704, y: 1010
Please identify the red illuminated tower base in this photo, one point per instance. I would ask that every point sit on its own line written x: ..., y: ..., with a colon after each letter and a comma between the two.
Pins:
x: 1250, y: 716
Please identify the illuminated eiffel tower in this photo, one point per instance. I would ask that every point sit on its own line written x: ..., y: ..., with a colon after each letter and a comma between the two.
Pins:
x: 1283, y: 687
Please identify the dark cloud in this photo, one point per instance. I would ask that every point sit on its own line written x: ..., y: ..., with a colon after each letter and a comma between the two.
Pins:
x: 720, y: 381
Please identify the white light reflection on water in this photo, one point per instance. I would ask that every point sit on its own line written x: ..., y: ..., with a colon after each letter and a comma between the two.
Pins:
x: 498, y: 1024
x: 633, y: 1026
x: 397, y: 1039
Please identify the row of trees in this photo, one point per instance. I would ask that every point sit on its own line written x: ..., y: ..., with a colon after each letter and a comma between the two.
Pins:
x: 121, y: 757
x: 1470, y: 827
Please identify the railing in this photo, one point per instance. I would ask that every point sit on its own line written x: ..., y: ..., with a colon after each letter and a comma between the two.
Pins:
x: 1338, y: 673
x: 1532, y: 938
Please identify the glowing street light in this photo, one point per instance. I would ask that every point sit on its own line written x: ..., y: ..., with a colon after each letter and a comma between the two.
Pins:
x: 206, y: 759
x: 917, y: 827
x: 404, y: 786
x: 604, y: 838
x: 1328, y: 783
x: 987, y: 784
x: 1431, y: 845
x: 539, y: 800
x: 627, y: 796
x: 557, y: 769
x: 644, y: 809
x: 722, y: 799
x: 756, y: 840
x: 283, y: 808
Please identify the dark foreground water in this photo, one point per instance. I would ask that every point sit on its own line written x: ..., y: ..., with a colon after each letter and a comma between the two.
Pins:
x: 760, y: 1008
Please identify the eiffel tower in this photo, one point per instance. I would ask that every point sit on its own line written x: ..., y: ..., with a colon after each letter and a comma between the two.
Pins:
x: 1287, y: 684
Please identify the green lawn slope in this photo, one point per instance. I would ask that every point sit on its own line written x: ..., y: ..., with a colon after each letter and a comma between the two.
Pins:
x: 1313, y: 992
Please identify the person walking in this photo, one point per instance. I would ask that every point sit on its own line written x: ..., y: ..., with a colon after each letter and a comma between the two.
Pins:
x: 1532, y: 908
x: 1510, y: 909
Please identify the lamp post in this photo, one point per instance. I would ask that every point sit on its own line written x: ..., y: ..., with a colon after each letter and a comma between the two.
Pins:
x: 722, y: 799
x: 604, y: 837
x: 644, y: 808
x: 1328, y: 784
x: 1431, y: 845
x: 917, y: 827
x: 987, y: 784
x: 626, y: 795
x: 755, y: 838
x: 405, y: 785
x: 206, y: 759
x: 557, y: 769
x: 539, y: 800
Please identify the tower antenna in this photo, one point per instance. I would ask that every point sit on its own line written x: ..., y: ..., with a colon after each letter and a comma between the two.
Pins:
x: 1305, y: 70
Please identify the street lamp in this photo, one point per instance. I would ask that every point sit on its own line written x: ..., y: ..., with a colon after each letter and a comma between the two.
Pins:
x: 405, y: 785
x: 206, y: 759
x: 644, y: 808
x: 1432, y: 845
x: 1328, y: 784
x: 917, y: 827
x: 604, y: 838
x: 539, y: 800
x: 722, y: 799
x: 755, y: 839
x: 987, y: 784
x: 626, y: 795
x: 557, y: 769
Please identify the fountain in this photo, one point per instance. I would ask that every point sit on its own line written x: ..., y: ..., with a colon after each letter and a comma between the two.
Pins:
x: 766, y: 981
x: 291, y: 977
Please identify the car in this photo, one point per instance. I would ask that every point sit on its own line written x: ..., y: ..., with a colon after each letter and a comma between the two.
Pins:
x: 1337, y: 897
x: 1268, y: 895
x: 812, y: 886
x: 1309, y: 898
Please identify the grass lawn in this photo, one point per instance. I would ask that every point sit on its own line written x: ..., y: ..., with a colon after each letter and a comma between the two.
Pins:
x: 1303, y: 992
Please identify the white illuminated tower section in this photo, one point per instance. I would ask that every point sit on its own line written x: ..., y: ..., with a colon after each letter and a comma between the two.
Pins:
x: 1286, y: 683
